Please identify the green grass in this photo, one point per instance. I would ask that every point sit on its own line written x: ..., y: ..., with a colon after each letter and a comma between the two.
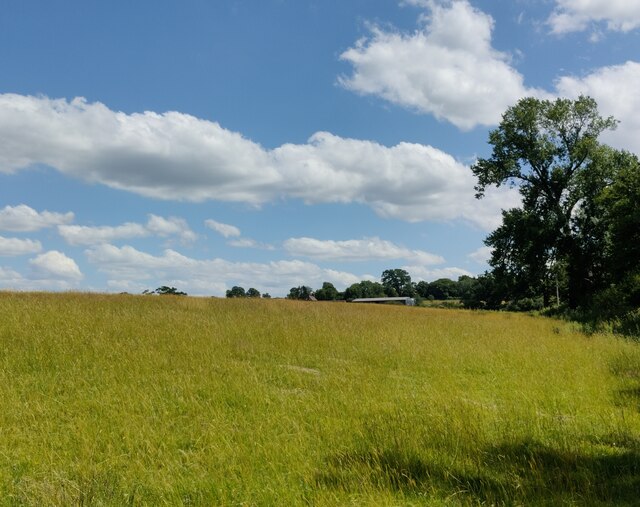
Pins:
x: 140, y: 400
x: 450, y: 304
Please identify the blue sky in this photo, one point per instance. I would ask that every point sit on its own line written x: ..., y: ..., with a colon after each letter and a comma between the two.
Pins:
x: 275, y: 143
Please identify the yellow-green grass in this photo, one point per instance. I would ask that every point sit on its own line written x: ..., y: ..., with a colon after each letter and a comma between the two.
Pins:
x: 141, y: 400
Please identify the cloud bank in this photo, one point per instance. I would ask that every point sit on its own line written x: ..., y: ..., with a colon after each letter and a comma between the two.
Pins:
x: 10, y: 247
x: 481, y: 255
x: 55, y: 264
x: 23, y: 218
x: 419, y: 273
x: 129, y: 268
x: 155, y: 226
x: 616, y: 88
x: 353, y: 250
x: 577, y: 15
x: 225, y: 230
x: 446, y: 68
x: 179, y: 157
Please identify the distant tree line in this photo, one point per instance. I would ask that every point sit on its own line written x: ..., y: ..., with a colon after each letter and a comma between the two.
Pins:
x: 393, y: 283
x: 239, y: 292
x: 234, y: 292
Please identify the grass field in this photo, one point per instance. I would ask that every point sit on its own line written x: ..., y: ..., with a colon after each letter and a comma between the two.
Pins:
x: 141, y: 400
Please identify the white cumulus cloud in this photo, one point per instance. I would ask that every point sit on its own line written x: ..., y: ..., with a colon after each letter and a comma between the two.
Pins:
x: 210, y: 276
x: 577, y: 15
x: 419, y: 273
x: 156, y: 226
x: 432, y: 71
x: 481, y: 255
x: 179, y: 157
x: 55, y: 264
x: 90, y: 235
x: 250, y: 243
x: 15, y: 246
x: 12, y: 280
x: 447, y: 67
x: 226, y: 230
x: 616, y: 88
x: 172, y: 226
x: 366, y: 249
x: 23, y: 218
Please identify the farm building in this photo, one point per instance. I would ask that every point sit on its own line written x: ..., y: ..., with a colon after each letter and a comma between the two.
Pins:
x: 406, y: 300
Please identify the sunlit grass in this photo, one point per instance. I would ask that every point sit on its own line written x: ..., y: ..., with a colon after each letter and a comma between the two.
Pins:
x: 115, y: 400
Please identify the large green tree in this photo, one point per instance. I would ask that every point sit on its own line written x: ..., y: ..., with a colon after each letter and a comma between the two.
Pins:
x: 253, y: 293
x: 236, y: 292
x: 544, y: 148
x: 620, y: 202
x: 611, y: 237
x: 301, y: 292
x: 442, y: 288
x: 328, y: 292
x: 397, y: 282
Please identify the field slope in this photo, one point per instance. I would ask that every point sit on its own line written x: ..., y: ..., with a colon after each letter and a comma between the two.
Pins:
x: 141, y: 400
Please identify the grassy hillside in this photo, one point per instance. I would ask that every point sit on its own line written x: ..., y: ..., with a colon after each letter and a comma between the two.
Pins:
x: 117, y: 400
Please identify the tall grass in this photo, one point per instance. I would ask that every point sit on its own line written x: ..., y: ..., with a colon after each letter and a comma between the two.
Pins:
x: 132, y: 400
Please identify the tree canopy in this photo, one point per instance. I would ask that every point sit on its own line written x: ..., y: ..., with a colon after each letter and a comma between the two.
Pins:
x: 544, y: 148
x: 365, y: 289
x: 575, y: 238
x: 165, y: 290
x: 253, y: 293
x: 302, y: 292
x: 397, y: 282
x: 236, y: 292
x: 328, y: 292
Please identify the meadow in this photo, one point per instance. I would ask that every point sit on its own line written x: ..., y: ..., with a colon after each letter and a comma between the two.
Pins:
x: 162, y: 400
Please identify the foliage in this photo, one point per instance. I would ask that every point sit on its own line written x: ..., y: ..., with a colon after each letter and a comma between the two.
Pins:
x: 253, y: 293
x: 443, y: 288
x: 544, y: 147
x: 236, y: 292
x: 164, y: 290
x: 365, y: 289
x: 486, y: 293
x: 397, y: 282
x: 302, y: 292
x: 576, y: 238
x: 239, y: 292
x: 446, y: 303
x: 422, y: 290
x: 327, y: 293
x: 525, y: 305
x: 620, y: 204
